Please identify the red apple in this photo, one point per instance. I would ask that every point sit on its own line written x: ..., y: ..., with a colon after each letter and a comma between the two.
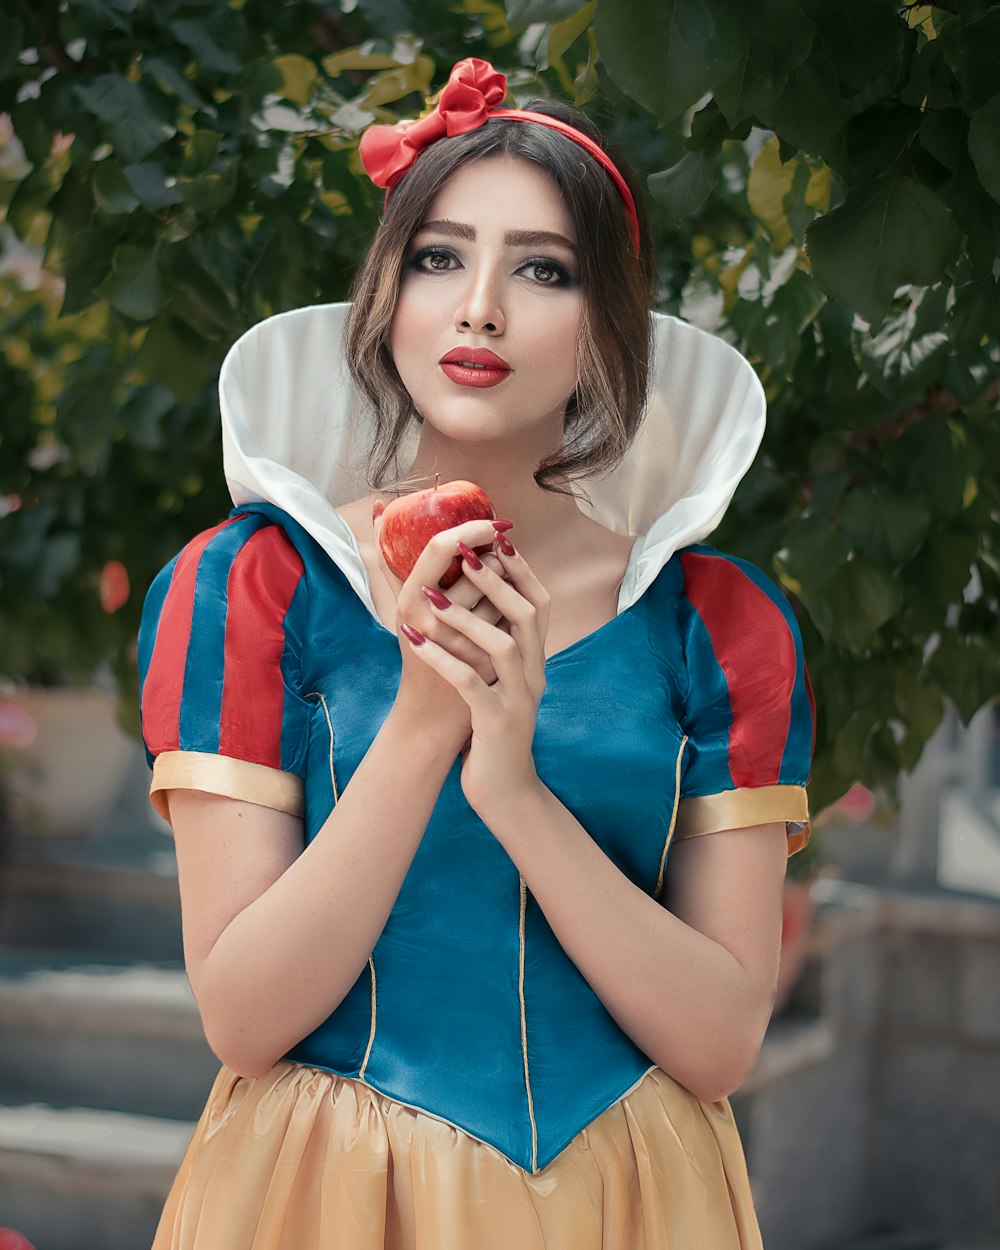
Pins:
x: 411, y: 521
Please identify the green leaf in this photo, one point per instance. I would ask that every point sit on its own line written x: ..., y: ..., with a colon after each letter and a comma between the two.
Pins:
x: 170, y: 78
x: 971, y: 50
x: 773, y: 328
x: 975, y: 314
x: 11, y: 43
x: 524, y: 12
x: 910, y: 349
x: 134, y: 286
x: 859, y: 38
x: 206, y: 40
x: 810, y: 110
x: 683, y: 188
x: 153, y: 185
x: 941, y: 134
x: 862, y: 598
x: 667, y: 53
x: 136, y: 118
x: 884, y: 525
x: 786, y: 197
x: 935, y: 459
x: 112, y: 190
x: 877, y: 137
x: 917, y: 84
x: 984, y: 148
x: 768, y: 184
x: 298, y: 73
x: 33, y: 130
x: 587, y: 81
x: 967, y: 670
x: 87, y: 263
x: 885, y: 235
x: 565, y: 33
x: 210, y: 192
x: 99, y: 16
x: 780, y: 41
x: 31, y: 198
x: 172, y: 355
x: 142, y: 415
x: 199, y: 152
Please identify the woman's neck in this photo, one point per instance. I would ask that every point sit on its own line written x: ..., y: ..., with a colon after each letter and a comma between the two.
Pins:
x: 545, y: 524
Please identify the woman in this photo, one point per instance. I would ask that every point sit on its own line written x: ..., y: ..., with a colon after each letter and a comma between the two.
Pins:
x: 422, y: 839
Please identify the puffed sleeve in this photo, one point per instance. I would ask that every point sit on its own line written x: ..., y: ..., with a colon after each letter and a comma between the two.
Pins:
x: 750, y: 718
x: 219, y: 654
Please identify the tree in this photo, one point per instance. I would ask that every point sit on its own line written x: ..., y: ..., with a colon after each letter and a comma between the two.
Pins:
x: 825, y: 180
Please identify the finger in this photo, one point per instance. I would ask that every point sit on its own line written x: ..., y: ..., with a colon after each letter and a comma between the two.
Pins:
x: 456, y: 672
x: 502, y: 649
x: 465, y: 593
x: 523, y: 601
x: 435, y: 559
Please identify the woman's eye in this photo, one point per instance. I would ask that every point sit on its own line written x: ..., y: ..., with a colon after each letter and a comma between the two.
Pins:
x: 547, y: 273
x: 432, y: 260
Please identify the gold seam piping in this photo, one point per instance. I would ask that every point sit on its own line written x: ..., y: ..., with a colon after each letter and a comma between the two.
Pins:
x: 371, y: 960
x: 524, y: 1028
x: 371, y: 1034
x: 673, y: 816
x: 329, y: 725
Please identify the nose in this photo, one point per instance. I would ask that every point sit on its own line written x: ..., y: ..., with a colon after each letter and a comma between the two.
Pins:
x: 480, y: 308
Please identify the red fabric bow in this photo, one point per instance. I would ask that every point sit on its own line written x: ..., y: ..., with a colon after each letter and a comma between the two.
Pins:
x: 472, y: 93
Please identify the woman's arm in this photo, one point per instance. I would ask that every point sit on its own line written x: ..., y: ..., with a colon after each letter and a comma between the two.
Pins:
x: 275, y: 933
x: 692, y: 985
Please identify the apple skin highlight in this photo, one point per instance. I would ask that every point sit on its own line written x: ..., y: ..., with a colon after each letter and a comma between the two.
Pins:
x: 411, y: 521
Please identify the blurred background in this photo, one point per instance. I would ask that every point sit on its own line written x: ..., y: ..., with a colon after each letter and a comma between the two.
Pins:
x: 824, y: 184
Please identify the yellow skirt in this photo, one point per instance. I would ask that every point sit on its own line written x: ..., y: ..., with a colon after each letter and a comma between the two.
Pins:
x: 301, y: 1159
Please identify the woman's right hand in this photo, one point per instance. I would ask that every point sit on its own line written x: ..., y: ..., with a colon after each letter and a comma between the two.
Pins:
x: 424, y: 696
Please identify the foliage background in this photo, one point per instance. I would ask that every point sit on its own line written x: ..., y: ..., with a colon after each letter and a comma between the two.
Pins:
x: 825, y: 185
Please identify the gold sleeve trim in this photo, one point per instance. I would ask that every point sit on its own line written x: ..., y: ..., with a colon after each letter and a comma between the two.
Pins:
x: 220, y: 774
x: 739, y: 809
x: 673, y: 816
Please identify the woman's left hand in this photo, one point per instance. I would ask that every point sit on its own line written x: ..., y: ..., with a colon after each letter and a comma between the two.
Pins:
x: 498, y: 762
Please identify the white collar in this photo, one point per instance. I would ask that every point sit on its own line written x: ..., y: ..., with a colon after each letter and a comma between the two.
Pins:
x: 294, y: 434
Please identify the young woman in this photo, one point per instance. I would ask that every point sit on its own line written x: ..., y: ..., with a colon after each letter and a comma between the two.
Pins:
x: 475, y: 979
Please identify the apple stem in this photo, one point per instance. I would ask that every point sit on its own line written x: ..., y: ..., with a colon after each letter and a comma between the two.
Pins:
x: 437, y: 480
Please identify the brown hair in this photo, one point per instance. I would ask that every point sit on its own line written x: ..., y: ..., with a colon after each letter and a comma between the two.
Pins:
x: 615, y: 343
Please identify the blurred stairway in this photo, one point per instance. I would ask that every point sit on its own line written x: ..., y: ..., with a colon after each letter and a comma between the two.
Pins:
x: 103, y: 1067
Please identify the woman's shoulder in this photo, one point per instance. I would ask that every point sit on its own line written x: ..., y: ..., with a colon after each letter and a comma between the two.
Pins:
x: 255, y: 539
x: 729, y: 587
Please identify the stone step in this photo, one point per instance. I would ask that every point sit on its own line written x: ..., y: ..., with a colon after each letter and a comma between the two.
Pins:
x: 120, y: 1036
x: 99, y: 908
x: 114, y: 891
x: 76, y: 1178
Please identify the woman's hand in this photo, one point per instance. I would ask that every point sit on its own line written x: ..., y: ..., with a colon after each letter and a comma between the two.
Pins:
x: 498, y: 761
x: 424, y: 696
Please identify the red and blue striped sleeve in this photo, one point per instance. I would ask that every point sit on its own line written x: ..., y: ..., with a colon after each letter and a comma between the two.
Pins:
x: 750, y: 720
x: 219, y: 666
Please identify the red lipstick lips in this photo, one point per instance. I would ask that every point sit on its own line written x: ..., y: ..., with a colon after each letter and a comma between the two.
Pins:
x: 474, y: 366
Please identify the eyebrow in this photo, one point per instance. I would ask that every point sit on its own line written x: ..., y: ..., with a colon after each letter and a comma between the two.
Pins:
x: 511, y: 238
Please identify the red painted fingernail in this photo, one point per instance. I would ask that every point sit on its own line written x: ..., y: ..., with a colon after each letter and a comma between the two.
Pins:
x: 414, y: 635
x: 505, y: 545
x: 502, y: 526
x: 436, y: 597
x: 378, y: 509
x: 470, y: 557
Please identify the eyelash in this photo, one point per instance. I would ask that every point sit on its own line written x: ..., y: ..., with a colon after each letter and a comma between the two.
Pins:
x: 563, y: 277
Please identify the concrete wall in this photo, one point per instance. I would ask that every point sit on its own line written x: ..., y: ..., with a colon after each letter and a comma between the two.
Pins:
x: 878, y: 1114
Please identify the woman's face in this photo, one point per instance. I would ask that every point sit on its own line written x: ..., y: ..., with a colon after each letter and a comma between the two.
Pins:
x: 485, y: 331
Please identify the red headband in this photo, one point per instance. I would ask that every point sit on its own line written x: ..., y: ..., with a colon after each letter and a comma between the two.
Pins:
x: 472, y: 95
